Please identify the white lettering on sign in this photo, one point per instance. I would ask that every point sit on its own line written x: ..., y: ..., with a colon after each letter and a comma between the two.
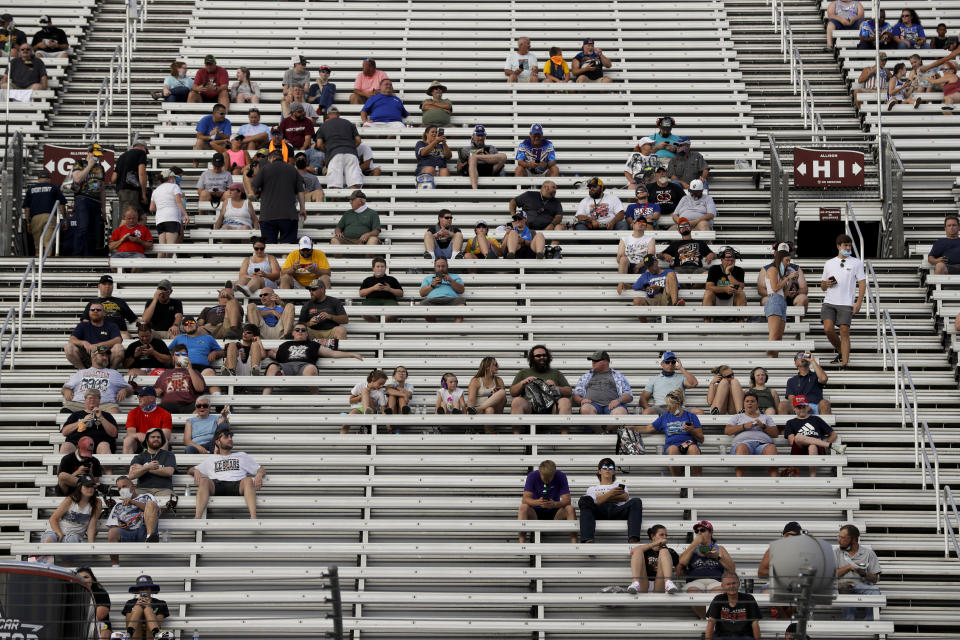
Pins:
x: 821, y: 169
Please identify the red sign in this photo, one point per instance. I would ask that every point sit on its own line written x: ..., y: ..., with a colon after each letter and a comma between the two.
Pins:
x: 59, y: 162
x: 824, y: 168
x: 829, y: 214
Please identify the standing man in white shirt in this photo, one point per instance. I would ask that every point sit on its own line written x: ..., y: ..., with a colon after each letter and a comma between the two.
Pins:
x: 228, y: 473
x: 845, y: 283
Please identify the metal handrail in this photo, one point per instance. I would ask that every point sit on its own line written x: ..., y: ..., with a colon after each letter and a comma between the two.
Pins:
x: 928, y: 471
x: 947, y: 527
x: 7, y: 347
x: 908, y: 379
x: 897, y: 382
x: 848, y: 216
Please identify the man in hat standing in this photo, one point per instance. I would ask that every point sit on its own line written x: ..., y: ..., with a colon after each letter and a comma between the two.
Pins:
x: 38, y: 204
x: 479, y: 158
x: 146, y: 417
x: 154, y: 467
x: 211, y: 83
x: 144, y: 613
x: 602, y: 390
x: 228, y: 473
x: 132, y: 182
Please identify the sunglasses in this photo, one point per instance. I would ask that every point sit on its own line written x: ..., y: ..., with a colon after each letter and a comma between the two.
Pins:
x: 259, y: 248
x: 203, y: 406
x: 609, y: 468
x: 539, y: 355
x: 299, y: 329
x: 264, y: 295
x: 188, y: 322
x: 96, y: 310
x: 700, y: 529
x: 313, y: 288
x: 843, y: 262
x: 446, y: 217
x: 247, y: 331
x: 669, y: 362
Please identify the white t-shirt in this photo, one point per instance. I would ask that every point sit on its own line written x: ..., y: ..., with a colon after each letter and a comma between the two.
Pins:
x: 377, y: 396
x: 364, y: 153
x: 524, y: 62
x: 844, y: 294
x: 636, y: 248
x: 603, y: 210
x: 598, y: 490
x: 165, y: 196
x: 233, y: 468
x: 449, y: 398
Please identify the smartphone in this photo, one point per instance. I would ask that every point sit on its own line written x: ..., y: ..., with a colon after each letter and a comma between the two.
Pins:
x: 621, y: 487
x: 255, y: 270
x: 440, y: 131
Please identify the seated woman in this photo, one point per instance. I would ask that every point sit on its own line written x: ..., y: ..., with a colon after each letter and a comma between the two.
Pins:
x: 653, y: 561
x: 244, y: 89
x: 950, y: 85
x: 75, y: 520
x: 399, y: 392
x: 486, y: 392
x: 258, y: 271
x: 176, y: 85
x: 238, y: 158
x: 682, y: 430
x: 900, y: 87
x: 768, y: 399
x: 435, y: 109
x: 753, y: 433
x: 703, y: 562
x: 724, y: 395
x: 432, y: 153
x: 199, y: 428
x: 236, y: 212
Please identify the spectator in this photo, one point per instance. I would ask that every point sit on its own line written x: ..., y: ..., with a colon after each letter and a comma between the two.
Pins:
x: 868, y: 33
x: 297, y: 128
x: 726, y: 281
x: 322, y: 94
x: 546, y: 496
x: 808, y: 383
x: 479, y: 158
x: 790, y: 529
x: 146, y: 353
x: 666, y: 195
x: 724, y: 393
x: 131, y: 178
x: 324, y: 315
x: 436, y: 111
x: 39, y: 203
x: 536, y: 156
x: 809, y: 435
x: 556, y: 68
x: 50, y: 41
x: 940, y: 40
x: 176, y: 85
x: 450, y: 398
x: 222, y: 320
x: 900, y: 88
x: 316, y: 158
x: 367, y: 165
x: 97, y: 334
x: 399, y: 392
x: 640, y: 161
x: 167, y: 203
x: 697, y: 207
x: 539, y: 361
x: 92, y: 421
x: 664, y: 382
x: 79, y: 463
x: 443, y: 240
x: 255, y: 134
x: 686, y: 254
x: 277, y: 143
x: 298, y: 76
x: 298, y: 357
x: 432, y: 153
x: 228, y: 473
x: 442, y: 288
x: 733, y: 614
x: 211, y: 84
x: 589, y: 63
x: 520, y: 241
x: 303, y: 266
x: 795, y: 291
x: 213, y: 133
x: 107, y: 381
x: 339, y: 139
x: 688, y: 166
x: 660, y: 286
x: 359, y: 225
x: 272, y: 316
x: 313, y: 191
x: 945, y: 253
x: 777, y: 278
x: 163, y: 312
x: 144, y: 418
x: 101, y: 599
x: 368, y: 396
x: 27, y: 73
x: 840, y: 276
x: 609, y: 501
x: 134, y: 517
x: 202, y: 348
x: 76, y: 518
x: 383, y: 109
x: 682, y: 430
x: 214, y: 181
x: 653, y: 561
x: 298, y: 95
x: 238, y: 158
x: 602, y: 390
x: 950, y: 82
x: 908, y: 33
x: 380, y: 289
x: 642, y: 208
x: 280, y: 189
x: 367, y: 83
x: 486, y: 392
x: 600, y: 210
x: 767, y: 399
x: 867, y: 81
x: 244, y: 90
x: 481, y: 245
x: 144, y: 614
x: 244, y: 356
x: 89, y: 200
x: 664, y: 140
x: 543, y: 209
x: 858, y: 569
x: 703, y: 567
x: 115, y: 309
x: 842, y: 14
x: 10, y: 34
x: 258, y: 271
x: 633, y: 249
x: 753, y: 433
x: 153, y: 468
x: 236, y: 212
x: 522, y: 65
x: 199, y: 429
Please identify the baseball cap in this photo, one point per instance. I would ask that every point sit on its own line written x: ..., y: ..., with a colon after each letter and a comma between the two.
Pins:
x: 106, y: 279
x: 317, y: 283
x: 799, y: 400
x: 325, y: 69
x: 595, y: 182
x: 520, y: 214
x: 597, y: 356
x: 236, y: 186
x: 296, y: 106
x: 221, y: 429
x: 218, y: 160
x: 535, y: 129
x: 684, y: 140
x: 275, y: 130
x: 668, y: 355
x: 666, y: 121
x: 44, y: 19
x: 648, y: 260
x: 146, y: 390
x: 86, y: 481
x: 588, y: 41
x: 792, y: 527
x: 306, y: 242
x: 207, y: 59
x: 300, y: 60
x: 101, y: 349
x: 646, y: 140
x: 682, y: 221
x: 165, y: 284
x: 479, y: 130
x: 705, y: 524
x: 481, y: 223
x: 659, y: 169
x: 783, y: 246
x: 696, y: 185
x: 43, y: 173
x: 6, y: 17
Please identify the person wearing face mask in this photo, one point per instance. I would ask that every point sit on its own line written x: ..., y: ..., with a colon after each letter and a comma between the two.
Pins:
x: 144, y: 613
x: 688, y: 165
x: 146, y: 417
x: 697, y: 207
x: 176, y: 84
x: 665, y: 194
x: 134, y: 516
x: 845, y: 284
x: 313, y: 191
x: 168, y: 205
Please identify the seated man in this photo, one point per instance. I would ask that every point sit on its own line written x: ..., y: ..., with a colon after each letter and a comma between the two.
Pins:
x: 324, y: 315
x: 26, y: 71
x: 443, y: 240
x: 203, y: 349
x: 297, y: 128
x: 697, y: 207
x: 154, y: 467
x: 602, y: 390
x: 312, y: 189
x: 10, y: 34
x: 442, y: 288
x: 520, y: 241
x: 640, y: 161
x: 609, y: 500
x: 181, y: 385
x: 298, y: 76
x: 479, y: 159
x: 868, y: 33
x: 666, y: 194
x: 163, y: 312
x: 600, y: 210
x: 133, y: 518
x: 213, y: 131
x: 359, y: 225
x: 224, y: 319
x: 867, y: 81
x: 589, y: 63
x: 753, y: 433
x: 536, y: 156
x: 144, y: 614
x: 146, y: 417
x: 539, y: 359
x: 733, y: 614
x: 383, y: 109
x: 686, y: 254
x: 654, y: 398
x: 111, y: 385
x: 842, y: 14
x: 215, y: 181
x: 522, y: 65
x: 228, y: 473
x: 809, y: 435
x: 295, y: 357
x: 544, y: 210
x: 546, y: 496
x: 146, y: 353
x: 272, y: 316
x: 255, y: 134
x: 481, y: 245
x: 725, y: 281
x: 945, y: 252
x: 858, y: 569
x: 78, y: 463
x: 131, y: 239
x: 367, y: 82
x: 659, y: 285
x: 664, y: 140
x: 245, y: 355
x: 211, y: 84
x: 688, y: 166
x: 50, y: 41
x: 94, y: 334
x: 643, y: 208
x: 809, y: 383
x: 303, y: 266
x: 90, y: 422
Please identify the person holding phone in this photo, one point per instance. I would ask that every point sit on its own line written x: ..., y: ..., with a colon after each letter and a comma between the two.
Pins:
x: 432, y: 152
x: 809, y: 383
x: 609, y: 500
x: 703, y: 562
x: 144, y: 613
x: 845, y: 284
x: 682, y: 431
x: 257, y: 271
x: 76, y: 464
x: 546, y: 496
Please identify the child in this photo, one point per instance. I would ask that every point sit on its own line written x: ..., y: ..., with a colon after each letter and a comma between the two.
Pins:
x: 449, y: 397
x: 368, y: 396
x: 556, y: 68
x: 899, y: 88
x: 238, y: 156
x: 399, y: 392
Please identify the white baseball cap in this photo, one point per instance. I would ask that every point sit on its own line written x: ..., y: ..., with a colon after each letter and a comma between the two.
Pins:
x: 306, y: 242
x: 647, y: 140
x: 696, y: 185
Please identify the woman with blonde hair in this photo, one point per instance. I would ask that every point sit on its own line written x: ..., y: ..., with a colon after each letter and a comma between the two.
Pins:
x: 486, y: 392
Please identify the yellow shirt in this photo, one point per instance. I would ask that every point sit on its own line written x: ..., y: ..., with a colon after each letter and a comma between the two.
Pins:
x: 474, y: 247
x: 303, y: 276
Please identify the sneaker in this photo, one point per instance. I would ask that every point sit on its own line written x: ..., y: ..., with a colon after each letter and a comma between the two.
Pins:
x: 613, y: 589
x: 428, y: 255
x: 441, y: 410
x: 246, y: 292
x: 839, y: 448
x: 458, y: 256
x: 471, y: 411
x: 891, y: 103
x: 510, y: 255
x: 388, y: 410
x: 153, y: 537
x: 540, y: 255
x: 634, y: 588
x: 227, y: 371
x: 917, y: 103
x: 714, y: 411
x: 156, y: 95
x: 670, y: 586
x: 837, y: 359
x: 405, y: 410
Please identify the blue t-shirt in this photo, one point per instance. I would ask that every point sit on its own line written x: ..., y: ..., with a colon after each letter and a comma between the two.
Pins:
x: 671, y: 426
x: 868, y: 30
x: 649, y: 210
x: 948, y: 248
x: 95, y: 335
x: 433, y: 159
x: 544, y: 153
x: 269, y: 319
x: 381, y: 108
x: 206, y: 125
x: 646, y: 279
x: 911, y: 34
x: 202, y: 429
x: 807, y: 385
x: 525, y: 234
x: 673, y: 139
x: 444, y: 290
x: 198, y: 346
x: 552, y: 491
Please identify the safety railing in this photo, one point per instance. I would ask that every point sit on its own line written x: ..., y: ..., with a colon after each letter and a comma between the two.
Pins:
x: 100, y: 115
x: 850, y: 217
x: 782, y: 216
x: 801, y: 85
x: 930, y: 471
x: 949, y: 504
x: 12, y: 185
x: 909, y: 405
x: 892, y: 244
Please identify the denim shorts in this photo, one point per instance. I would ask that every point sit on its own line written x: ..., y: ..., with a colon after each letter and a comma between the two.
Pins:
x: 51, y: 536
x: 776, y: 306
x: 756, y: 447
x: 604, y: 410
x: 133, y: 535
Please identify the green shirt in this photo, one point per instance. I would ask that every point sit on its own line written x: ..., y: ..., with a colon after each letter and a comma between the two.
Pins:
x: 550, y: 374
x: 355, y: 224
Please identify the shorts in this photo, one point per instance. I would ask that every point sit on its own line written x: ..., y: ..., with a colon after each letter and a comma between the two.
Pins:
x: 343, y: 170
x: 953, y: 269
x: 776, y: 306
x: 483, y: 169
x: 321, y: 333
x: 133, y: 535
x: 545, y: 514
x: 659, y: 408
x: 270, y: 333
x: 168, y: 227
x: 662, y: 299
x: 690, y: 268
x: 492, y: 254
x: 841, y: 315
x: 217, y: 330
x: 157, y: 492
x: 839, y: 25
x: 683, y: 446
x: 704, y: 584
x: 346, y: 240
x: 803, y: 450
x: 526, y: 253
x: 756, y: 447
x: 51, y: 536
x: 127, y: 254
x: 226, y: 487
x: 444, y: 300
x: 379, y: 302
x: 604, y: 410
x: 443, y: 252
x: 293, y: 368
x: 395, y: 124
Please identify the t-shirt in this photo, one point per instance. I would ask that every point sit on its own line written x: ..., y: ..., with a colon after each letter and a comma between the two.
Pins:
x: 310, y: 181
x: 807, y: 385
x: 550, y: 374
x: 648, y: 279
x: 695, y: 208
x: 444, y: 290
x: 368, y: 84
x: 868, y: 29
x: 378, y: 397
x: 473, y: 246
x: 660, y: 385
x: 668, y: 196
x: 464, y: 153
x: 322, y: 95
x: 88, y: 430
x: 848, y: 272
x: 278, y: 184
x: 332, y: 306
x: 292, y: 77
x: 540, y: 212
x: 450, y: 398
x: 717, y: 277
x: 602, y: 388
x: 107, y: 381
x: 446, y: 235
x: 688, y: 252
x: 233, y: 468
x: 356, y: 223
x: 647, y: 210
x: 249, y: 130
x: 142, y: 421
x: 212, y: 315
x: 433, y: 159
x: 219, y: 77
x: 268, y: 318
x: 164, y: 313
x: 911, y: 34
x: 339, y: 136
x: 598, y: 490
x: 177, y: 386
x: 651, y: 560
x: 390, y: 281
x: 202, y: 430
x: 23, y: 74
x: 130, y: 517
x: 529, y: 153
x: 164, y: 196
x: 635, y: 249
x: 128, y: 169
x: 701, y: 566
x: 637, y: 162
x: 688, y: 167
x: 811, y: 426
x: 211, y: 180
x: 301, y: 275
x: 70, y: 463
x: 551, y: 491
x: 671, y: 426
x: 603, y: 210
x: 159, y: 607
x: 593, y: 59
x: 673, y: 139
x: 151, y: 480
x: 95, y: 335
x: 199, y: 346
x: 752, y: 434
x: 41, y: 197
x: 948, y: 248
x: 296, y: 131
x: 558, y: 71
x: 115, y: 310
x: 525, y: 63
x: 206, y: 125
x: 864, y: 558
x: 383, y: 108
x: 146, y: 362
x: 128, y: 246
x: 733, y: 620
x: 298, y: 351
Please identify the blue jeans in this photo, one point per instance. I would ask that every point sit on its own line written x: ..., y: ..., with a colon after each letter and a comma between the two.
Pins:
x: 282, y: 231
x: 89, y: 217
x: 850, y: 613
x: 623, y: 225
x: 192, y: 449
x: 177, y: 94
x: 590, y: 512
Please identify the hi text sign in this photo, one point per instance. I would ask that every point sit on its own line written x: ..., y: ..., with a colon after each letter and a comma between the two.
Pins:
x: 59, y: 162
x: 824, y: 168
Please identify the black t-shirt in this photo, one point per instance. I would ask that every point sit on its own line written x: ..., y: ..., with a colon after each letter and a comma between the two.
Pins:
x: 70, y: 463
x: 164, y: 313
x: 333, y: 306
x: 150, y: 480
x: 338, y: 135
x: 733, y: 621
x: 688, y: 252
x: 128, y: 173
x: 115, y: 310
x: 278, y: 184
x: 540, y: 212
x: 95, y: 335
x: 100, y: 596
x: 811, y: 426
x: 293, y: 351
x: 444, y: 242
x: 668, y: 196
x: 651, y: 558
x: 49, y: 32
x: 146, y: 362
x: 718, y: 278
x: 159, y: 607
x: 390, y: 281
x: 98, y: 435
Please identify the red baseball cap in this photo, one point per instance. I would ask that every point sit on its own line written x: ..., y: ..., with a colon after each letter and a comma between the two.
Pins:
x: 799, y: 400
x: 682, y: 221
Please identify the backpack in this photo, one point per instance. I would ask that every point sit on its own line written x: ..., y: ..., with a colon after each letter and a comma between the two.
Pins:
x: 541, y: 396
x: 629, y: 442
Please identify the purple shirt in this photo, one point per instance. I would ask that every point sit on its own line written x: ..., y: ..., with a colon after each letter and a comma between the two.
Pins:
x: 557, y: 487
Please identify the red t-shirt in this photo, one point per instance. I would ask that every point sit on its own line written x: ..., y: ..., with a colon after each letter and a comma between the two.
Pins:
x: 220, y: 78
x: 140, y: 231
x: 177, y: 386
x: 143, y: 422
x: 296, y: 131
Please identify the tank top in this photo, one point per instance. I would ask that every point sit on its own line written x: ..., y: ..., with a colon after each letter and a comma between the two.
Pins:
x: 703, y: 567
x: 846, y: 9
x: 636, y: 249
x: 485, y: 392
x: 770, y: 291
x: 253, y: 266
x: 237, y: 216
x: 764, y: 398
x: 76, y: 519
x: 238, y: 158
